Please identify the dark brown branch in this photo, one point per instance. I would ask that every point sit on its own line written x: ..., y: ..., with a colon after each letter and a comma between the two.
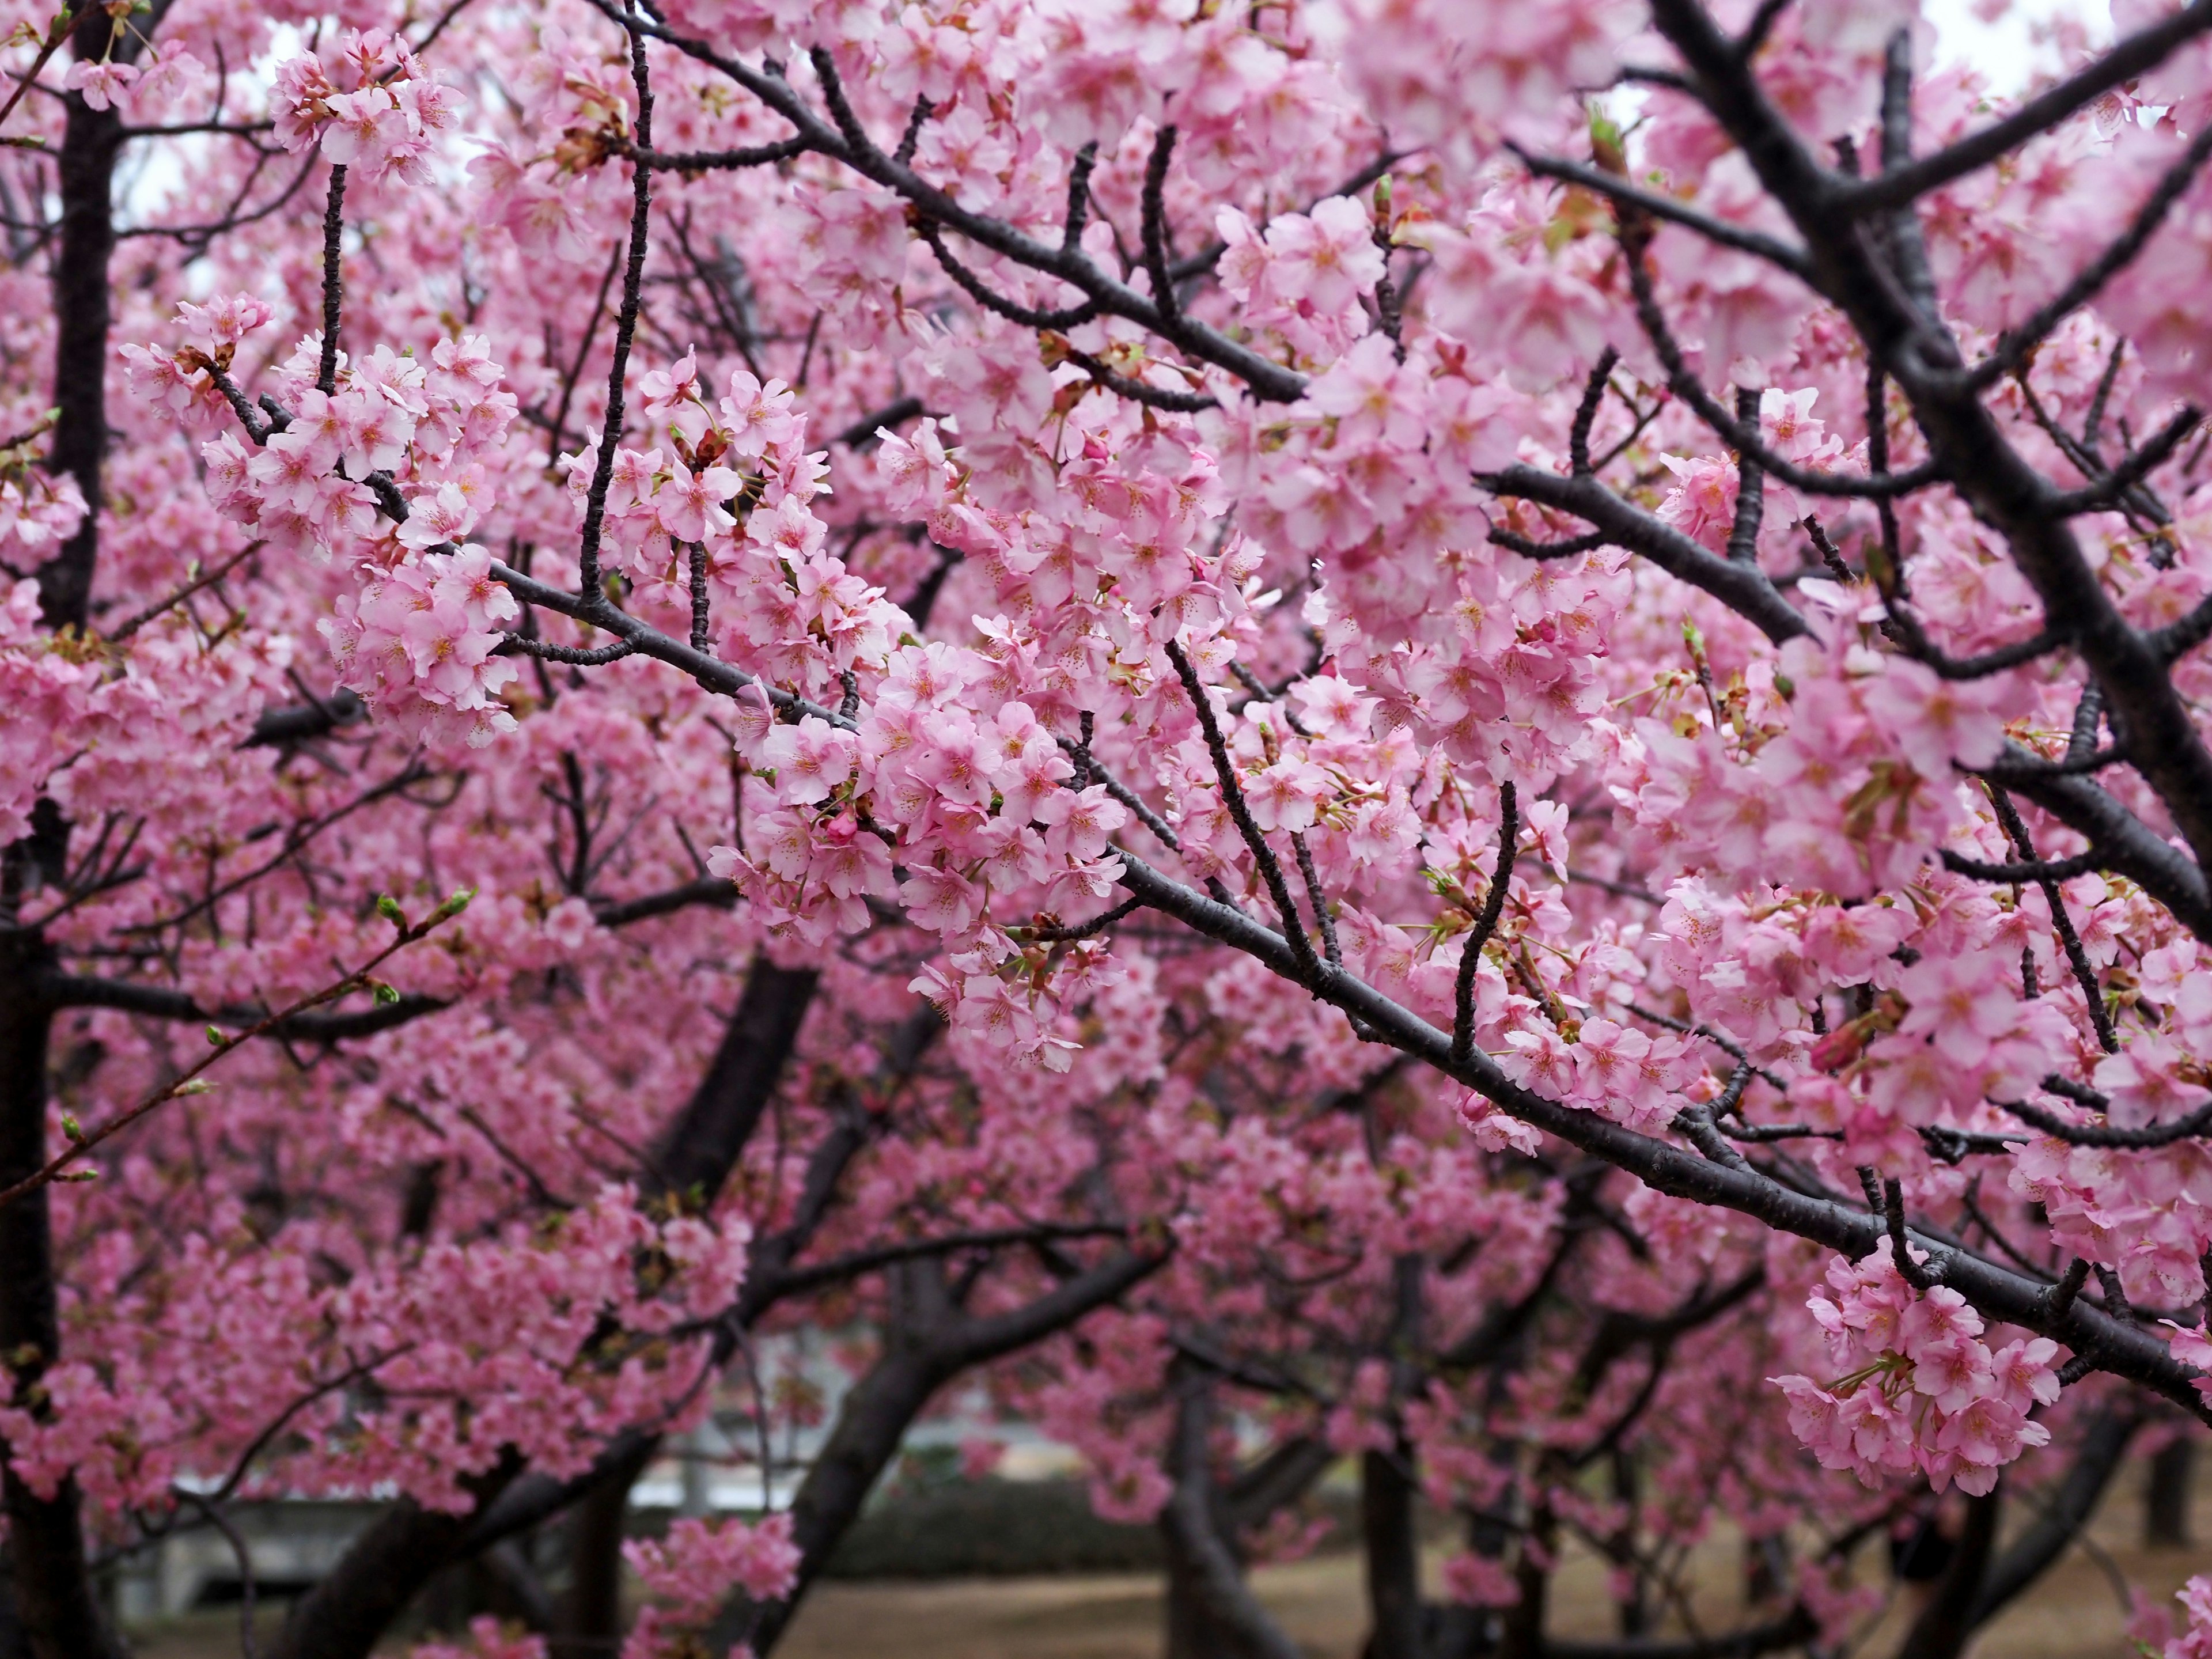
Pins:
x: 2040, y: 870
x: 2106, y: 492
x: 301, y: 722
x: 2099, y: 1135
x: 1618, y: 190
x: 1232, y: 795
x: 869, y: 429
x: 713, y: 891
x: 326, y: 374
x: 1750, y: 490
x: 1998, y: 1291
x: 982, y: 292
x: 1743, y: 437
x: 2085, y: 975
x: 1997, y: 482
x: 708, y: 160
x: 157, y: 1002
x: 1579, y: 435
x: 641, y: 226
x: 1744, y: 590
x: 1485, y: 923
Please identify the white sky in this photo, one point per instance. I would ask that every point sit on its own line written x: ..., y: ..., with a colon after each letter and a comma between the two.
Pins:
x: 2007, y: 51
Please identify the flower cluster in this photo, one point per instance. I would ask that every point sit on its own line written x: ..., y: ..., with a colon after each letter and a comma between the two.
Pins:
x: 419, y: 639
x: 374, y: 107
x: 695, y: 1567
x: 475, y: 1341
x: 1919, y: 1388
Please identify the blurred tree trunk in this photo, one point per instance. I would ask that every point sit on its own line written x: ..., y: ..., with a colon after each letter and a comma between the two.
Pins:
x: 590, y: 1626
x: 2167, y: 1494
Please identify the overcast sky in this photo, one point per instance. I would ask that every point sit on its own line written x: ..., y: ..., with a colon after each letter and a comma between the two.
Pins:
x: 2005, y: 51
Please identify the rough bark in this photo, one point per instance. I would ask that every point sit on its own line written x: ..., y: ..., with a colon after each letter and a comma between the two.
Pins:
x: 1394, y: 1555
x: 406, y: 1546
x: 1520, y: 1627
x: 697, y: 1153
x: 85, y: 169
x: 55, y: 1599
x: 56, y: 1607
x: 1387, y: 1493
x: 14, y: 1640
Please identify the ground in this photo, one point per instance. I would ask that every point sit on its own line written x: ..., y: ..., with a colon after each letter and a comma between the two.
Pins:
x: 2074, y: 1612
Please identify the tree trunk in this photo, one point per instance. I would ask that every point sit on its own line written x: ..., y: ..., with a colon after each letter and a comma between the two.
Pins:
x: 1521, y: 1628
x: 591, y: 1613
x: 1633, y: 1610
x: 83, y: 314
x: 55, y: 1599
x: 57, y: 1611
x: 1212, y: 1613
x: 1946, y: 1622
x: 344, y: 1616
x: 1394, y: 1555
x: 2062, y: 1515
x: 14, y: 1640
x: 2167, y: 1494
x: 1386, y: 1489
x: 871, y: 1424
x: 928, y: 1340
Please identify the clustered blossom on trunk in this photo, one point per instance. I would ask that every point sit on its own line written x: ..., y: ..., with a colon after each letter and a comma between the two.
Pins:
x: 1470, y: 729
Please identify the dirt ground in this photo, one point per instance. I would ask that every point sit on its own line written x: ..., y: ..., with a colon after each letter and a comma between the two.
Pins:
x: 2074, y: 1612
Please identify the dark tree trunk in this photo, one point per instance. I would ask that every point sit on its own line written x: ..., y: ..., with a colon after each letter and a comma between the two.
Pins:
x: 1947, y: 1623
x: 54, y: 1595
x: 928, y: 1342
x: 1394, y: 1555
x: 1634, y: 1611
x: 1387, y: 1491
x: 2167, y: 1494
x: 591, y: 1614
x: 14, y: 1640
x: 697, y: 1151
x: 871, y: 1424
x: 86, y: 165
x: 2103, y: 1447
x: 58, y: 1612
x: 344, y: 1616
x: 1521, y: 1628
x: 1212, y: 1613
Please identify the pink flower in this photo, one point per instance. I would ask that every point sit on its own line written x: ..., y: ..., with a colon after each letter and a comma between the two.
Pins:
x: 690, y: 505
x: 1934, y: 721
x: 1284, y: 796
x: 810, y: 760
x: 447, y: 515
x: 1989, y: 1431
x: 943, y: 901
x: 102, y: 84
x: 1326, y: 255
x: 1082, y: 825
x: 1960, y: 1004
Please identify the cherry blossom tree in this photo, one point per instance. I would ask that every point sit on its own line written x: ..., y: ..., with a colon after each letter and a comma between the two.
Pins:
x: 1472, y: 727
